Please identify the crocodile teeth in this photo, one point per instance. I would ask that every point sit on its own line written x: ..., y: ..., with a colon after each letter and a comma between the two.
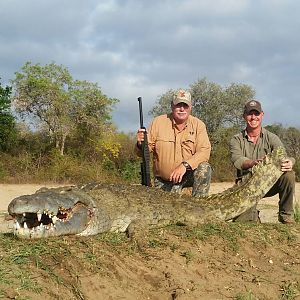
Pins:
x: 39, y: 216
x: 25, y: 225
x: 54, y: 219
x: 24, y: 214
x: 17, y: 225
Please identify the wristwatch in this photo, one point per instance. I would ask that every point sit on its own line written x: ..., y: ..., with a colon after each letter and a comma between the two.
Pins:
x: 187, y: 166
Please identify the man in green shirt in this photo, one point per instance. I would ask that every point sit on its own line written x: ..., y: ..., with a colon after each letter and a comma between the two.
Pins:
x: 249, y: 147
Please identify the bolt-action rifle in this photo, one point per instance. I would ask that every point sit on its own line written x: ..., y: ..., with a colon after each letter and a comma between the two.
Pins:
x: 145, y: 164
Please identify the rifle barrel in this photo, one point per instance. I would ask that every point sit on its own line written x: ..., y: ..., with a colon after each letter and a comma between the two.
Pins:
x: 141, y: 112
x: 145, y: 164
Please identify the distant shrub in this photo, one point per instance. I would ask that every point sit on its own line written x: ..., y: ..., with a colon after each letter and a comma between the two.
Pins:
x: 130, y: 171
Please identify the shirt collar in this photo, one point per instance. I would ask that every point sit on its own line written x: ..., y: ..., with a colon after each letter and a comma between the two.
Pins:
x: 188, y: 121
x: 262, y: 132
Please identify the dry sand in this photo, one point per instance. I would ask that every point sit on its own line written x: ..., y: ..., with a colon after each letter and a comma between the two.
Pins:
x: 11, y: 191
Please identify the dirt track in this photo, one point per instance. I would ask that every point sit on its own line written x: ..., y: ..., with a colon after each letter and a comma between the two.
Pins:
x: 10, y: 191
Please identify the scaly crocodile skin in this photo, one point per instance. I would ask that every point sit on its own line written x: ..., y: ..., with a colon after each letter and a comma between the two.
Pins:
x: 96, y: 208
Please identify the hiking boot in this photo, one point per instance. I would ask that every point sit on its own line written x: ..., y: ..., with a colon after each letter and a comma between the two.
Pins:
x: 286, y: 219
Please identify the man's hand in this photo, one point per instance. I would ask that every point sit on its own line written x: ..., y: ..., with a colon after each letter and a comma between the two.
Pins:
x: 177, y: 174
x: 286, y: 165
x: 248, y: 164
x: 140, y: 136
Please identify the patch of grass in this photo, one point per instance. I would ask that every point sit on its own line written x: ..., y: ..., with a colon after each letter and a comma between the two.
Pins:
x: 234, y: 233
x: 174, y: 247
x: 245, y: 296
x: 290, y: 290
x: 4, y: 275
x: 207, y: 230
x: 15, y: 254
x: 91, y: 257
x: 272, y: 234
x: 297, y: 213
x: 230, y: 232
x: 227, y: 231
x: 286, y: 233
x: 112, y: 238
x: 27, y: 283
x: 24, y: 262
x: 155, y: 243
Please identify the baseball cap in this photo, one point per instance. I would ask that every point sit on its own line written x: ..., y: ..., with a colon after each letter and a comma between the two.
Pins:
x: 252, y: 105
x: 182, y: 96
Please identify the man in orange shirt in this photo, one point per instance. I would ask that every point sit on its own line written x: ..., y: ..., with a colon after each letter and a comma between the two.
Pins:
x: 181, y: 148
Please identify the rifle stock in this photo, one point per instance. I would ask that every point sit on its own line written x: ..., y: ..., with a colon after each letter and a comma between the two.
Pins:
x: 145, y: 164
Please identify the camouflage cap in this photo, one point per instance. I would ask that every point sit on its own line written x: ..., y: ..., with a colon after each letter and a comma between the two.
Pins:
x: 252, y: 105
x: 182, y: 96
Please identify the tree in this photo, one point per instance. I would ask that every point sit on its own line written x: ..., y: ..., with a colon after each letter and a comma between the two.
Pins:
x: 208, y: 104
x: 235, y: 96
x: 292, y: 141
x: 48, y: 96
x: 290, y: 138
x: 8, y: 132
x: 219, y: 106
x: 220, y: 159
x: 162, y: 104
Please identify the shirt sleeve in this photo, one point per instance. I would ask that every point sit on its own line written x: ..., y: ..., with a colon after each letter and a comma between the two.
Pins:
x: 150, y: 137
x: 203, y: 147
x: 275, y: 141
x: 237, y: 157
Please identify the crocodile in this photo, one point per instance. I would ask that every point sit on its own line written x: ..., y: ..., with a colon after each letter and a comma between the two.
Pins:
x: 100, y: 207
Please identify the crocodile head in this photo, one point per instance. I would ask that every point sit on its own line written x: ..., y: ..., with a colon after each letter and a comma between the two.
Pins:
x: 51, y: 212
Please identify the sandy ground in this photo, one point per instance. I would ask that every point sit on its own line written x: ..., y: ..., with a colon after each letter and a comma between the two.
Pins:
x: 11, y: 191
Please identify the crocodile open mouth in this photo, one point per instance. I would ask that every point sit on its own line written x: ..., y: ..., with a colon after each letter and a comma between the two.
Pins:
x: 52, y: 212
x: 45, y: 222
x: 42, y: 220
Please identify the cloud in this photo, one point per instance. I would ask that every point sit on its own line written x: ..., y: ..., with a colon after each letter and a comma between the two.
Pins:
x: 143, y: 48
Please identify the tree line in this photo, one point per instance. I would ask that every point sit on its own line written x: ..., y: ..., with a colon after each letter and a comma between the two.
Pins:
x: 55, y: 128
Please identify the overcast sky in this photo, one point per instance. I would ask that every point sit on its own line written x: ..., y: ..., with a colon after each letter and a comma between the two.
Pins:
x: 146, y: 47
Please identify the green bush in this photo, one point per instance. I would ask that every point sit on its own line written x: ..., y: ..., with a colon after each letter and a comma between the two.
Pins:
x: 130, y: 171
x: 297, y: 169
